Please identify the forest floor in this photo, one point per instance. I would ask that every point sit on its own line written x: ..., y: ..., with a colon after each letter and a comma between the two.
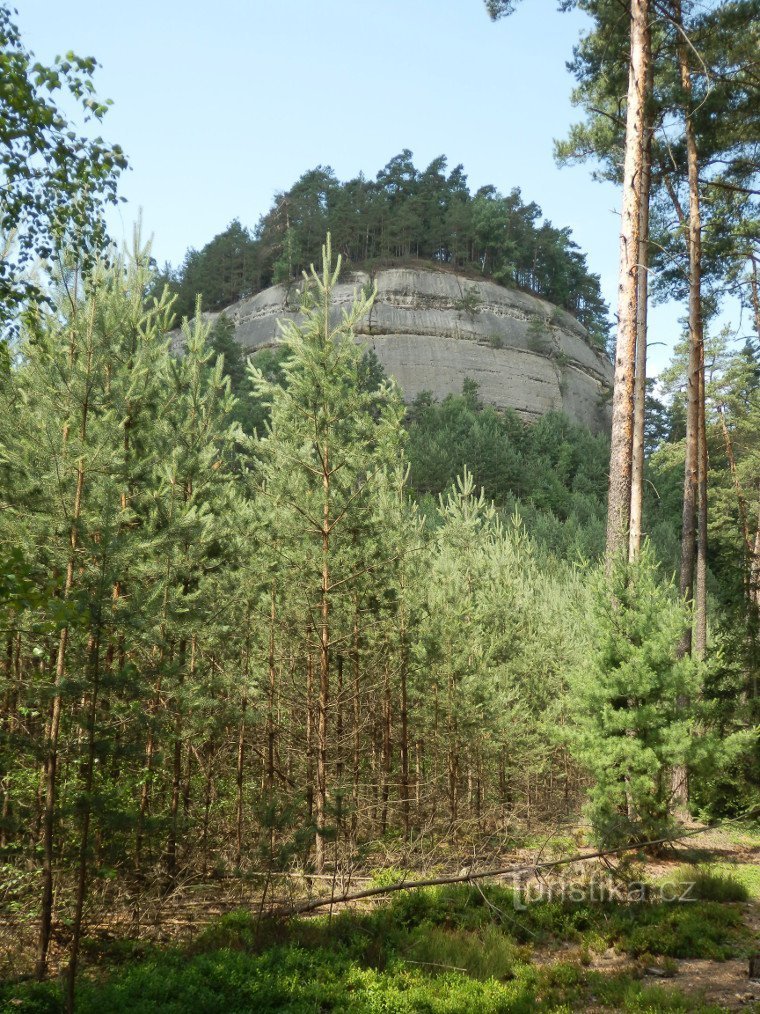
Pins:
x: 671, y: 933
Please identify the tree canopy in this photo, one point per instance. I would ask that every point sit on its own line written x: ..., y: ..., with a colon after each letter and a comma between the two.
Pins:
x: 54, y: 181
x: 404, y: 214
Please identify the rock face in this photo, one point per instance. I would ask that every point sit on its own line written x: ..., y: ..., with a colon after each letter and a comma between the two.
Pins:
x: 430, y: 329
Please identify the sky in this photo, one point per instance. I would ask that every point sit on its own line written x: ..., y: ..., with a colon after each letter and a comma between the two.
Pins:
x: 218, y: 106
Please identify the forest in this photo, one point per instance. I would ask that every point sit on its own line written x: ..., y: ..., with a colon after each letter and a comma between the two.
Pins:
x: 404, y: 214
x: 275, y: 643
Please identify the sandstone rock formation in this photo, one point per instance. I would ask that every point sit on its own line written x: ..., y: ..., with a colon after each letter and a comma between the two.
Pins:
x: 430, y: 329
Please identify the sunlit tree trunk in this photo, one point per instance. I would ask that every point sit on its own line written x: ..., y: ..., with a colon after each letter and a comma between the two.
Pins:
x: 621, y: 453
x: 640, y: 379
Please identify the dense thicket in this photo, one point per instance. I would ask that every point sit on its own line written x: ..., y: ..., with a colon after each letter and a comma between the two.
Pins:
x: 404, y: 213
x: 225, y: 654
x: 552, y: 473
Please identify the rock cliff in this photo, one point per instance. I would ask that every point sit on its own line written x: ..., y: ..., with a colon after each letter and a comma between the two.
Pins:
x: 430, y: 329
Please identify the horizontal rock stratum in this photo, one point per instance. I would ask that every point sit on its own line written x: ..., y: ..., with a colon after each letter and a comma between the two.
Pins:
x: 431, y: 329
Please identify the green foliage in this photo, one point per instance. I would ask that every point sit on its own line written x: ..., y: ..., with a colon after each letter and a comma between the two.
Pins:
x: 223, y: 272
x: 634, y: 702
x: 722, y: 109
x: 708, y: 930
x: 487, y: 954
x: 733, y: 427
x: 55, y: 182
x: 710, y: 883
x: 439, y: 950
x: 403, y: 214
x: 124, y: 453
x: 268, y: 656
x: 552, y: 472
x: 538, y: 335
x: 248, y: 411
x: 470, y: 300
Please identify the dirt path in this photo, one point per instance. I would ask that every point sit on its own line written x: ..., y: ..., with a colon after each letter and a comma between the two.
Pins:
x: 724, y: 983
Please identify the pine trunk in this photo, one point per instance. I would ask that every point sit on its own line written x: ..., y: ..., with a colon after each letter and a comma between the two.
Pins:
x: 93, y: 654
x: 239, y: 784
x: 695, y: 471
x: 640, y: 379
x: 619, y: 501
x: 324, y: 669
x: 356, y: 760
x: 51, y: 749
x: 695, y: 386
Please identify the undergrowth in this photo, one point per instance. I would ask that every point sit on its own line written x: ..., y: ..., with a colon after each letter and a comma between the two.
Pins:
x: 718, y: 882
x: 449, y: 950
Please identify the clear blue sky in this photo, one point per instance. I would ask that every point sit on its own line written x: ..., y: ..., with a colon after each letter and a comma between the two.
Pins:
x: 219, y: 105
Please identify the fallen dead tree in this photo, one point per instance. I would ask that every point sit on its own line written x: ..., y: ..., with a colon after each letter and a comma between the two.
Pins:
x: 516, y: 870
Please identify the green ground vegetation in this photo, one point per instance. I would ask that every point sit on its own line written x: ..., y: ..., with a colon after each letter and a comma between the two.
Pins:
x: 437, y: 950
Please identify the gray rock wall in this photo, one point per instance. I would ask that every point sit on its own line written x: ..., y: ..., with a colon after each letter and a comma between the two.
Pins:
x: 430, y: 329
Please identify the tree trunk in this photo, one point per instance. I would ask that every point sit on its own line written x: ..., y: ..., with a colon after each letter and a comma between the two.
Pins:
x: 700, y: 591
x: 404, y: 745
x: 94, y: 666
x: 239, y: 784
x: 339, y: 763
x: 271, y: 696
x: 51, y: 746
x: 356, y: 759
x: 171, y: 848
x: 386, y: 751
x: 619, y: 501
x: 9, y: 722
x: 324, y: 669
x: 453, y: 753
x: 309, y: 736
x: 207, y: 797
x: 640, y: 379
x: 695, y: 386
x: 695, y: 471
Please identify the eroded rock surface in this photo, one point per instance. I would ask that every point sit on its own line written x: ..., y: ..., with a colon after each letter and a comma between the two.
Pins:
x: 430, y: 329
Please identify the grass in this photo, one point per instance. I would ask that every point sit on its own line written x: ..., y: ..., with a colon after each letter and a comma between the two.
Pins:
x: 724, y: 882
x: 746, y: 835
x: 713, y: 881
x: 441, y: 950
x: 743, y: 873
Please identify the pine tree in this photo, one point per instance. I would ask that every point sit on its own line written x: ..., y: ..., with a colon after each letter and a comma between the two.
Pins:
x: 329, y: 446
x: 634, y: 703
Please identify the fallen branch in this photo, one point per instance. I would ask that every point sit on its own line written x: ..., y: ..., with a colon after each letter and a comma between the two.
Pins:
x: 521, y: 870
